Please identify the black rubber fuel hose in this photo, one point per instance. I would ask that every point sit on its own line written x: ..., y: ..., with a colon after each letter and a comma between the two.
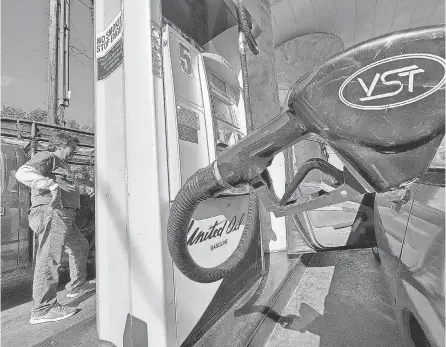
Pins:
x: 203, y: 185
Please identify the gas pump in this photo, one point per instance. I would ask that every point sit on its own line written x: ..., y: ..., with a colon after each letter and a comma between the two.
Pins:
x: 204, y: 116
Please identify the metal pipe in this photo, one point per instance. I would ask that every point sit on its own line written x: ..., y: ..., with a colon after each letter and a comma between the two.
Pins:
x: 33, y: 139
x: 61, y: 63
x: 67, y: 54
x: 35, y: 240
x: 253, y: 203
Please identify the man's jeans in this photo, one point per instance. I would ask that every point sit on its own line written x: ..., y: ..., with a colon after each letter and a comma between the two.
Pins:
x: 56, y: 228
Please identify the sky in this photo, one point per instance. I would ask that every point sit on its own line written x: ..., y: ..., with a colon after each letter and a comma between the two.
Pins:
x: 24, y: 52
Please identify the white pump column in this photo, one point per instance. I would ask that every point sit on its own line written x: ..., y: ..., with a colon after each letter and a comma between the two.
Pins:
x: 132, y: 191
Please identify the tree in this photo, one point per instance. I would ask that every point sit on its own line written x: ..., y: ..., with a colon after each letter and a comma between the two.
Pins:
x: 36, y: 115
x: 72, y: 124
x: 89, y: 128
x: 83, y: 174
x: 13, y: 112
x: 39, y: 115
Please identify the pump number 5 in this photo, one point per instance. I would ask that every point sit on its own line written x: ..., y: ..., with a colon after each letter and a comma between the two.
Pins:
x: 185, y: 60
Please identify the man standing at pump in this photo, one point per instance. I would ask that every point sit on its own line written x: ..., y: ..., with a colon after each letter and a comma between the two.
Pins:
x: 54, y: 200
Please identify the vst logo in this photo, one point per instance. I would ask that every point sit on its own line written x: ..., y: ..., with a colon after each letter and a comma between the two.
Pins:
x: 394, y: 82
x: 409, y: 71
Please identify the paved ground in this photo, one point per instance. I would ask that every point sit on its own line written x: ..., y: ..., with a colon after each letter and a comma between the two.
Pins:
x: 341, y: 301
x: 76, y: 331
x: 239, y: 324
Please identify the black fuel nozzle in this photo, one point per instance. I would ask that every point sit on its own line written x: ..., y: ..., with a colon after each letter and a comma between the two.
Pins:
x: 247, y: 159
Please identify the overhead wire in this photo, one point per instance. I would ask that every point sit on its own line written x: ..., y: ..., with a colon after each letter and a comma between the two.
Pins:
x: 413, y: 15
x: 433, y: 12
x: 83, y: 3
x: 26, y: 39
x: 82, y: 62
x: 393, y: 16
x: 80, y: 51
x: 29, y: 53
x: 84, y: 47
x: 76, y: 56
x: 374, y: 19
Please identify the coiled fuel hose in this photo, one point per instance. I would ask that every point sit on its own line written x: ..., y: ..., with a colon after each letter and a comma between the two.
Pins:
x: 206, y: 183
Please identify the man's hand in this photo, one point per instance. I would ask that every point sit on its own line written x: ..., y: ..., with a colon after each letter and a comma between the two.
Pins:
x: 57, y: 200
x: 67, y: 187
x: 89, y: 191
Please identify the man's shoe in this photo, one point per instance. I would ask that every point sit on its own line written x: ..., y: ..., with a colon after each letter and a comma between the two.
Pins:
x: 56, y: 313
x: 85, y: 288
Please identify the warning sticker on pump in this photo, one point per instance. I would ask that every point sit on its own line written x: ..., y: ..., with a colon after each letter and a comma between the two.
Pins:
x: 109, y: 47
x: 157, y: 63
x: 188, y: 117
x: 109, y: 62
x: 188, y: 134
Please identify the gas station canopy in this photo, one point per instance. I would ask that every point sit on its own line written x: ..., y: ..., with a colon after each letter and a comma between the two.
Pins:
x: 354, y: 21
x: 201, y: 20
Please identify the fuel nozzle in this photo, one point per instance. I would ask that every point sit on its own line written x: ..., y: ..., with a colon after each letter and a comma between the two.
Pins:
x: 237, y: 165
x: 248, y: 158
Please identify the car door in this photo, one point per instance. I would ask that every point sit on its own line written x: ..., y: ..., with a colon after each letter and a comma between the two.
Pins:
x: 10, y: 206
x: 421, y: 274
x: 366, y: 221
x: 340, y: 226
x: 392, y: 211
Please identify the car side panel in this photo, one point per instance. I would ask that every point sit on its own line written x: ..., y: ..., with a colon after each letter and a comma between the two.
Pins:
x: 390, y: 228
x: 422, y: 268
x: 10, y: 203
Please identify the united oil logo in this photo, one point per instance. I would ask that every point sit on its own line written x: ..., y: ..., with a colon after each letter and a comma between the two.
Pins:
x: 212, y: 240
x: 394, y: 82
x: 217, y: 231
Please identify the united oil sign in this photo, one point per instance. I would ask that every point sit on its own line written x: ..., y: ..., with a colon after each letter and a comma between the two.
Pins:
x: 216, y: 228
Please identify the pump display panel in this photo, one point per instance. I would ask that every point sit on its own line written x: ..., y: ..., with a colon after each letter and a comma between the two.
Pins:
x: 224, y: 111
x: 217, y: 83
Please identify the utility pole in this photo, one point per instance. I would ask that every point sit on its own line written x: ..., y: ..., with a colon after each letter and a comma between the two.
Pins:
x: 67, y: 91
x: 53, y: 61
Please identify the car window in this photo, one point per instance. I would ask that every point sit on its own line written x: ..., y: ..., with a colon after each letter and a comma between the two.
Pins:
x: 439, y: 160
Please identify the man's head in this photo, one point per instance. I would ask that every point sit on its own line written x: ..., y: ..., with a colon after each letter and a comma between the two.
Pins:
x: 64, y: 145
